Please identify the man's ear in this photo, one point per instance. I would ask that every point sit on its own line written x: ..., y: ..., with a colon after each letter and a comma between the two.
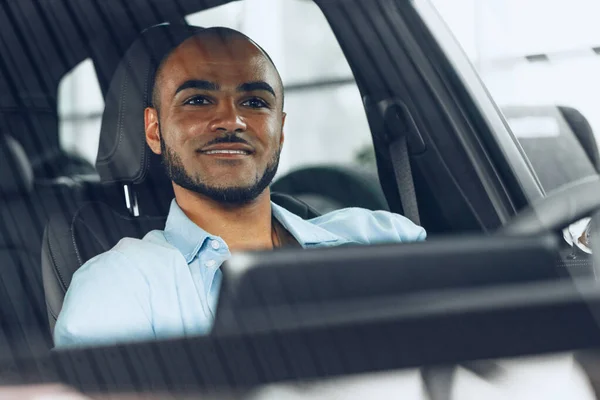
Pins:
x: 282, y: 139
x: 151, y: 126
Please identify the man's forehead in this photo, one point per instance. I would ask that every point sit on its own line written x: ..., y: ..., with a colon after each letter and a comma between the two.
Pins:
x: 217, y: 57
x: 217, y: 50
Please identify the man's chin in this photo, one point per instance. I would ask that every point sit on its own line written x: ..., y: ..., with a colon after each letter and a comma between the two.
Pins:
x: 227, y: 189
x: 233, y: 197
x: 226, y: 195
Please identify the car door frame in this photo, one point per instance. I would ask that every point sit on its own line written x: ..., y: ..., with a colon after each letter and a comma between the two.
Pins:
x: 473, y: 174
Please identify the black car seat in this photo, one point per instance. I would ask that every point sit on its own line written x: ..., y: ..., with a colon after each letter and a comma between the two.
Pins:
x: 126, y: 163
x: 331, y: 187
x: 555, y: 151
x: 24, y: 210
x: 584, y: 133
x: 56, y: 163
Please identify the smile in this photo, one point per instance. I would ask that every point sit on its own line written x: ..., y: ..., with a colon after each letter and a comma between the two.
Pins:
x: 240, y: 152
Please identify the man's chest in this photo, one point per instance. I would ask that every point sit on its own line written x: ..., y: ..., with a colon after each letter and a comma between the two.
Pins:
x: 183, y: 295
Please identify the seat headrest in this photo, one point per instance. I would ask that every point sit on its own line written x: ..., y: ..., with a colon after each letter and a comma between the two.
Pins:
x: 123, y: 155
x: 16, y: 172
x: 583, y: 130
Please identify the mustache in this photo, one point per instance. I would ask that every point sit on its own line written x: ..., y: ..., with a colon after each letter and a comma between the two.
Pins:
x: 227, y: 139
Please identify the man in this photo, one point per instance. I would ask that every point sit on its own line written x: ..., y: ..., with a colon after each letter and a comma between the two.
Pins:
x: 217, y: 121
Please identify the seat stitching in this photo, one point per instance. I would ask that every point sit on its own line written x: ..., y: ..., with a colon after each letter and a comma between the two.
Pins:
x: 145, y: 159
x: 108, y: 160
x: 121, y: 113
x: 55, y: 263
x: 72, y: 229
x: 55, y: 271
x: 91, y: 231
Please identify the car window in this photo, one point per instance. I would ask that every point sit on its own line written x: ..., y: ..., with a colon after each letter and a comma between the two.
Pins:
x: 542, y: 71
x: 80, y: 105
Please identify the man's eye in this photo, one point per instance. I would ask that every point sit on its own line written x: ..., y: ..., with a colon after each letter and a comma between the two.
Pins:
x: 197, y: 101
x: 255, y: 103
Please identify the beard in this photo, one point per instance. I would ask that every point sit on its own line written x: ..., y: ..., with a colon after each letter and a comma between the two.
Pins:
x: 232, y: 195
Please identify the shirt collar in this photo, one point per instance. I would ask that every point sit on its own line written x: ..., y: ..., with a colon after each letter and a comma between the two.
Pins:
x: 184, y: 234
x: 188, y: 237
x: 305, y: 232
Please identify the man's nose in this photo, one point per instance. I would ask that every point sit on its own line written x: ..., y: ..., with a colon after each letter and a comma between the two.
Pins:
x: 228, y: 119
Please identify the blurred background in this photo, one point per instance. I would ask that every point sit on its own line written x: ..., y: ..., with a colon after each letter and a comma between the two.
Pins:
x: 529, y: 53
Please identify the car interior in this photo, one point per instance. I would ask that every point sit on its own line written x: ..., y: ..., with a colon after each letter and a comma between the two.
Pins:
x: 123, y: 195
x: 57, y: 210
x: 124, y: 159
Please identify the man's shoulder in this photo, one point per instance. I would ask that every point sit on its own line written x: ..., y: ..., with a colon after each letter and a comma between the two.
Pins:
x: 108, y: 298
x: 133, y: 252
x: 153, y: 241
x: 368, y: 227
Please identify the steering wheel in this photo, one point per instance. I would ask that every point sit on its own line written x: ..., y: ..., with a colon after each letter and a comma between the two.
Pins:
x: 557, y: 210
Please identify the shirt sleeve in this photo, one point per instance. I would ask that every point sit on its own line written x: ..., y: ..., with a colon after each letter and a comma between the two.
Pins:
x: 107, y: 302
x: 358, y: 225
x: 395, y: 227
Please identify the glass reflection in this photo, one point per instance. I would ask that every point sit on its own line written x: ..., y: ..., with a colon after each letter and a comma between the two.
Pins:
x: 577, y: 235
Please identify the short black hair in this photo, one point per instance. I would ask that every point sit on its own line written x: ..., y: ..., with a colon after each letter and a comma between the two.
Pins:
x: 219, y: 32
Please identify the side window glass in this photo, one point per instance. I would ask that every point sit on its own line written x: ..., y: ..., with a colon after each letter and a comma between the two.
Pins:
x: 80, y: 106
x: 540, y: 62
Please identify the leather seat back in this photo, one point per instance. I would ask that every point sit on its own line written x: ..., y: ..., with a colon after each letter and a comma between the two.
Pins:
x: 555, y: 151
x: 584, y: 133
x: 22, y: 217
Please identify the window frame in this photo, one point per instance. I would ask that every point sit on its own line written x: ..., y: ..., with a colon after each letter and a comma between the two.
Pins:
x: 508, y: 145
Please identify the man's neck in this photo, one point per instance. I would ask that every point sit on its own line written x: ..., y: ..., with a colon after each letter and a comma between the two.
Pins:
x: 246, y: 227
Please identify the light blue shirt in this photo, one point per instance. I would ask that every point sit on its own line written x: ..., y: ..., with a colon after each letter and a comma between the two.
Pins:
x: 167, y: 284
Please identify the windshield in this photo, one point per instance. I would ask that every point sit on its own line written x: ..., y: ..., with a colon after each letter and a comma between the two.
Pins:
x: 541, y: 71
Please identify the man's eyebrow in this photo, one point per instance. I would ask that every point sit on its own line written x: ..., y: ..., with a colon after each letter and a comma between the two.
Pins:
x: 254, y: 86
x: 197, y: 84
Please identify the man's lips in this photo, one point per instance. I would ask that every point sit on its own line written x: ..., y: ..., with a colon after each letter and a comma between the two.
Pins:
x: 226, y: 152
x: 228, y: 149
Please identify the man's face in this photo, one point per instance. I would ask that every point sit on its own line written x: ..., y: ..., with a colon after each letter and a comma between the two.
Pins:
x: 219, y: 121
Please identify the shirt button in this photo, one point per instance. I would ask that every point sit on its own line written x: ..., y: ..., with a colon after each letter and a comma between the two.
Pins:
x: 215, y: 244
x: 210, y: 263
